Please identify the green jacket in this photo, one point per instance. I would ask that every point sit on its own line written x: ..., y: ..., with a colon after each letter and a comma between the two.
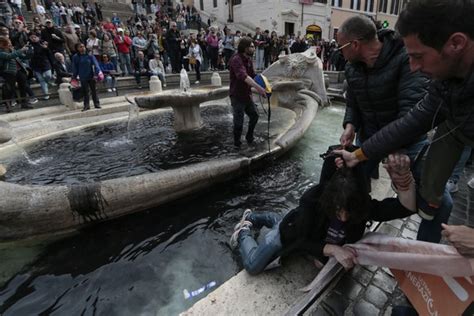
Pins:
x: 7, y: 61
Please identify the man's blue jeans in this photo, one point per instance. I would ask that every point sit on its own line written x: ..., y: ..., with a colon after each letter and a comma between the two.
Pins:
x: 256, y: 257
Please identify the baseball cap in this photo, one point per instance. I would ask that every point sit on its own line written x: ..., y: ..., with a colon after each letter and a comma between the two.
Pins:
x: 48, y: 21
x: 119, y: 30
x: 76, y: 26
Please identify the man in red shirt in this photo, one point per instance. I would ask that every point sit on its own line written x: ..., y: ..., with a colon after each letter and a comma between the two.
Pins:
x: 241, y: 73
x: 123, y: 43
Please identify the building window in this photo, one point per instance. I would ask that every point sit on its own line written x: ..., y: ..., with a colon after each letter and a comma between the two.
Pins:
x: 395, y: 7
x: 355, y: 4
x: 369, y: 5
x: 201, y: 5
x: 236, y: 2
x: 215, y: 3
x: 336, y: 3
x: 383, y: 6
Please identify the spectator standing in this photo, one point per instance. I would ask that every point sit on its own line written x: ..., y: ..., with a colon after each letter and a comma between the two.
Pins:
x: 259, y: 42
x: 196, y: 55
x: 13, y: 71
x: 84, y: 67
x: 41, y: 63
x: 70, y: 39
x: 228, y: 43
x: 108, y: 48
x: 213, y: 48
x: 266, y: 48
x: 54, y: 37
x: 94, y: 45
x: 174, y: 53
x: 123, y: 43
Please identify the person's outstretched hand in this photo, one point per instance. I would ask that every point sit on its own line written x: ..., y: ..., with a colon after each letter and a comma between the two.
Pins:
x: 461, y: 237
x: 349, y: 158
x: 344, y: 255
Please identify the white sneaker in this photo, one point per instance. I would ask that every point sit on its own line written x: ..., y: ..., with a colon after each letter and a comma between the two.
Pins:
x: 46, y: 97
x: 109, y: 90
x: 234, y: 239
x: 470, y: 183
x: 114, y: 89
x: 452, y: 186
x: 33, y: 101
x: 197, y: 82
x: 164, y: 85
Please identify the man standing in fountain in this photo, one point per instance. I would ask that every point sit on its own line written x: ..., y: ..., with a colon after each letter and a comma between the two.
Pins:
x: 241, y: 73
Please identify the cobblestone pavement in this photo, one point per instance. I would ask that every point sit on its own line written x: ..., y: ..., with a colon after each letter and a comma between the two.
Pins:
x: 368, y: 290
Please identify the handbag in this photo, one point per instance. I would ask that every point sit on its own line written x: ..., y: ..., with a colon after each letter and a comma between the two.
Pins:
x: 192, y: 60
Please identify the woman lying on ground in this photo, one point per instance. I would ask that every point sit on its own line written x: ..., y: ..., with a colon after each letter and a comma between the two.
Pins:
x: 330, y: 214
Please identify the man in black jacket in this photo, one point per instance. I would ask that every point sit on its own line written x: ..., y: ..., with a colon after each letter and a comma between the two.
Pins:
x: 448, y: 57
x: 381, y: 89
x: 54, y: 37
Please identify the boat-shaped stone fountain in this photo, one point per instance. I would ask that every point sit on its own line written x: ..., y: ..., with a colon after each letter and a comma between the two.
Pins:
x: 189, y: 149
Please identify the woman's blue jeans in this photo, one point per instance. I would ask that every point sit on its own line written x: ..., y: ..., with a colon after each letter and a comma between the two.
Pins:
x: 255, y: 256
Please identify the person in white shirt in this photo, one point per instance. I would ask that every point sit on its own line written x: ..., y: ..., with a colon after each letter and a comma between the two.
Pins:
x: 157, y: 68
x: 195, y: 55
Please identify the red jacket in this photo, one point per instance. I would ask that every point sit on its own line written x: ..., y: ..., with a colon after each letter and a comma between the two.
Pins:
x: 123, y: 46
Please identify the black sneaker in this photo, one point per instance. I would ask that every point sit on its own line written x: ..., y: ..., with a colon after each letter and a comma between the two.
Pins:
x: 97, y: 106
x: 85, y: 109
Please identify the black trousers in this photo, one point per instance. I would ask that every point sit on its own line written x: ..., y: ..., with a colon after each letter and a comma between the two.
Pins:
x: 197, y: 67
x: 214, y: 55
x: 19, y: 78
x: 239, y: 108
x: 86, y: 86
x: 175, y: 59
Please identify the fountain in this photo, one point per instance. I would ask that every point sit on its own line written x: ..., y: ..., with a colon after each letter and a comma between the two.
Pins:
x: 51, y: 206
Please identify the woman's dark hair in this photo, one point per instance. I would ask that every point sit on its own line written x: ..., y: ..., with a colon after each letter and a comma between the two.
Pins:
x: 348, y: 191
x: 243, y: 44
x: 434, y: 21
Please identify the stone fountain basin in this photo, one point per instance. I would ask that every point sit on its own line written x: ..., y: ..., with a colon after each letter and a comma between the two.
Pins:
x: 34, y: 210
x: 178, y: 98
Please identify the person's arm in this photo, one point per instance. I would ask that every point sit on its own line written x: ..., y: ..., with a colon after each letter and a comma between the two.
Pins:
x: 426, y: 115
x: 351, y: 120
x: 344, y: 255
x: 255, y: 85
x: 241, y: 74
x: 12, y: 55
x: 461, y: 237
x: 398, y: 167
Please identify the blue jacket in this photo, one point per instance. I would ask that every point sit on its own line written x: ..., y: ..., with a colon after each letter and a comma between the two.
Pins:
x: 83, y: 66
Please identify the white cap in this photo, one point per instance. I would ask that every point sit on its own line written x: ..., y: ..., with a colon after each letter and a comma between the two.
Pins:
x: 119, y: 30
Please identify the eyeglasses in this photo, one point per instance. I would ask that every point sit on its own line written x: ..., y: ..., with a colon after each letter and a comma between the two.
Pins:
x: 348, y: 44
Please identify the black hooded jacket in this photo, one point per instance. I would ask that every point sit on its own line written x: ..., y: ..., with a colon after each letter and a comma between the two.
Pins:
x: 385, y: 92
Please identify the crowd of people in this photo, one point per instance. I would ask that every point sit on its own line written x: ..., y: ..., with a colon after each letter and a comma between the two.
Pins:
x: 154, y: 40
